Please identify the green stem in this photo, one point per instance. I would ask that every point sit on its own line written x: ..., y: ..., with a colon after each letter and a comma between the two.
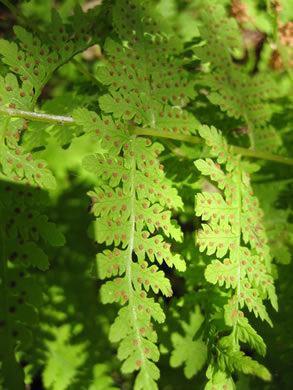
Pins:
x: 237, y: 254
x: 67, y: 120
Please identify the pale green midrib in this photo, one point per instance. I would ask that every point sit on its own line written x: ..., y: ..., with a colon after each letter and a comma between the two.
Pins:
x: 147, y: 73
x: 128, y: 273
x: 219, y: 207
x: 20, y: 160
x: 238, y: 253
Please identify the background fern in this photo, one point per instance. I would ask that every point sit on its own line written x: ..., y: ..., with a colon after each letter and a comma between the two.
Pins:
x: 145, y: 193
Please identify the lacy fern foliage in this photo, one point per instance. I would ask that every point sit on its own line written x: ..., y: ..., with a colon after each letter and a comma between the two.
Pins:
x: 116, y: 107
x: 233, y: 230
x: 238, y: 94
x: 133, y: 220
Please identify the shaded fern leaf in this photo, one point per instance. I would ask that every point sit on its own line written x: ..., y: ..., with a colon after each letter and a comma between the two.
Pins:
x: 25, y: 233
x: 278, y: 225
x: 246, y: 333
x: 231, y: 219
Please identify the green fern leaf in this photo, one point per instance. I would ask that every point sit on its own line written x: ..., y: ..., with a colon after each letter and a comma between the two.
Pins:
x: 155, y: 92
x: 230, y: 219
x: 15, y: 163
x: 24, y: 230
x: 235, y: 360
x: 238, y: 94
x: 131, y: 209
x: 110, y: 134
x: 246, y: 333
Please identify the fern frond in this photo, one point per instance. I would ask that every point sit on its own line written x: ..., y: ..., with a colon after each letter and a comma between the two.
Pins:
x: 232, y: 219
x: 24, y: 232
x: 277, y: 221
x: 146, y: 80
x: 132, y: 219
x: 238, y: 94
